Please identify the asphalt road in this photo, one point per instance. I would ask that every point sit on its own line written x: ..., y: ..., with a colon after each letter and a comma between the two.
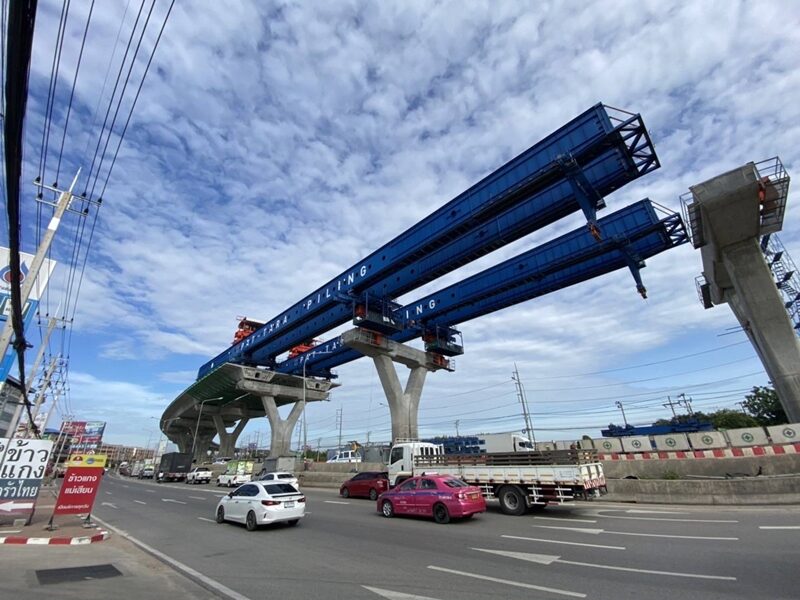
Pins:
x: 345, y: 549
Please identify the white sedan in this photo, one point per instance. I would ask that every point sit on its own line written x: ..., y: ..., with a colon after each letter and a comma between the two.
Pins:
x: 260, y: 503
x: 278, y: 477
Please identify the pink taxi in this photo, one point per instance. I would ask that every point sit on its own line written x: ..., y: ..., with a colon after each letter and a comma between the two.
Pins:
x: 439, y: 496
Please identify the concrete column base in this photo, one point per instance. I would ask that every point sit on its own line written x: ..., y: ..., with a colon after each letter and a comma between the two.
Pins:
x: 281, y: 429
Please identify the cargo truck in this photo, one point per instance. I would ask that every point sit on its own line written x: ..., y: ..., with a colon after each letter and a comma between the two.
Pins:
x: 174, y: 466
x: 518, y: 480
x: 236, y: 473
x: 483, y: 443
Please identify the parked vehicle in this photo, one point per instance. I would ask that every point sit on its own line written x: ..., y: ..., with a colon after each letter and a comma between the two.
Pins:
x: 173, y: 466
x: 346, y: 456
x: 237, y: 473
x: 369, y: 484
x: 277, y: 476
x: 260, y: 502
x: 199, y: 475
x: 147, y: 472
x: 519, y: 480
x: 439, y: 496
x: 483, y: 443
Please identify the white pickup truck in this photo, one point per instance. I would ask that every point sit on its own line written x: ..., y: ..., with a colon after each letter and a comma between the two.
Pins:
x: 519, y: 480
x: 199, y: 475
x: 237, y: 473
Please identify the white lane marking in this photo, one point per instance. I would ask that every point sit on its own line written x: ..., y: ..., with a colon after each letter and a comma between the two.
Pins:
x: 171, y: 500
x: 659, y: 535
x: 779, y: 527
x: 576, y: 529
x: 655, y: 512
x: 517, y: 537
x: 209, y: 520
x: 109, y: 494
x: 546, y: 559
x: 150, y: 491
x: 108, y: 504
x: 126, y: 486
x: 391, y: 595
x: 5, y: 531
x: 139, y: 502
x: 509, y: 582
x: 675, y: 520
x: 188, y: 571
x: 567, y: 519
x: 334, y: 502
x: 678, y: 537
x: 198, y: 497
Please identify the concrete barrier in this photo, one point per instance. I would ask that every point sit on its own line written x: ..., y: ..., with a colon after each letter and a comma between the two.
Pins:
x: 747, y: 436
x: 761, y: 490
x: 636, y: 443
x: 784, y: 434
x: 671, y: 441
x: 708, y: 440
x: 785, y: 464
x: 607, y: 444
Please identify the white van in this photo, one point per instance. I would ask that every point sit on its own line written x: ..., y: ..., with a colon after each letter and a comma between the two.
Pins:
x: 346, y: 456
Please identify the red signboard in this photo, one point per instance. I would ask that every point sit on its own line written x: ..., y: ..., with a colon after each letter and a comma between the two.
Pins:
x: 78, y: 490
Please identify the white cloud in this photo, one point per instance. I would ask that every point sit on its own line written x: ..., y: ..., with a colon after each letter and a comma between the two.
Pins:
x: 274, y: 145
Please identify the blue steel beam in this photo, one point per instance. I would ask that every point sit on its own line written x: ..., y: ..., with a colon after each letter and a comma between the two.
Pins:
x: 630, y: 236
x: 527, y: 193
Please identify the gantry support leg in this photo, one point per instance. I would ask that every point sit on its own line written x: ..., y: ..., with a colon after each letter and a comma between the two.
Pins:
x: 281, y: 429
x: 227, y: 440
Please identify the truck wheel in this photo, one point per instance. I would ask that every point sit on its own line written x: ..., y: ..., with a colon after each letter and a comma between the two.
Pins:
x: 512, y: 502
x: 220, y: 515
x: 440, y: 514
x: 373, y: 494
x: 387, y: 509
x: 250, y: 522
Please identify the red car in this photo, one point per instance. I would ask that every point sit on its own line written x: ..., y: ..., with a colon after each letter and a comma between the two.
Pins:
x: 437, y: 496
x: 368, y: 484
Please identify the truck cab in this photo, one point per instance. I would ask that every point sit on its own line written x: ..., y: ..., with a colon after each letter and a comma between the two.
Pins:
x: 401, y: 458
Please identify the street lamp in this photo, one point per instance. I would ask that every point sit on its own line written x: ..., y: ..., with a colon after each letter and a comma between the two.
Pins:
x: 197, y: 427
x: 305, y: 428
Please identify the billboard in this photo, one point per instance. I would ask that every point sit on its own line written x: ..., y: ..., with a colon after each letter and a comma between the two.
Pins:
x: 84, y: 435
x: 22, y: 466
x: 81, y: 482
x: 25, y: 262
x: 30, y: 307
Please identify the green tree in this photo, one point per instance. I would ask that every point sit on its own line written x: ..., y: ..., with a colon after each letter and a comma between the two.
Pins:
x: 732, y: 419
x: 763, y: 404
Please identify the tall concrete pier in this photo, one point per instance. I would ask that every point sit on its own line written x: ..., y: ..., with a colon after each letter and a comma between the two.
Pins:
x: 728, y: 215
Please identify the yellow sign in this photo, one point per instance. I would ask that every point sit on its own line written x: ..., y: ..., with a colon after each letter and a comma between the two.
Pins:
x: 87, y: 460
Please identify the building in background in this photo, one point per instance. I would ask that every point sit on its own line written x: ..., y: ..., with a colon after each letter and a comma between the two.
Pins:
x: 10, y: 400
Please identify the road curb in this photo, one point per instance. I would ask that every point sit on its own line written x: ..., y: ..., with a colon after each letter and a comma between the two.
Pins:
x: 56, y: 541
x: 195, y: 576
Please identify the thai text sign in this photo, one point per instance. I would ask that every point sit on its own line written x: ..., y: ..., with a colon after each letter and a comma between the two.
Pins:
x: 22, y: 466
x: 84, y: 435
x: 78, y: 490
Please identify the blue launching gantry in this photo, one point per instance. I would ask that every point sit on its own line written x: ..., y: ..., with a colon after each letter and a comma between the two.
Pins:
x: 573, y: 169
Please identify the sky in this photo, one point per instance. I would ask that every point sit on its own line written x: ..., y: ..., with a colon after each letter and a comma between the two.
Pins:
x: 273, y: 145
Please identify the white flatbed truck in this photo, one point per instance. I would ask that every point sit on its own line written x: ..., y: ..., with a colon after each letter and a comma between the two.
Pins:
x: 519, y: 480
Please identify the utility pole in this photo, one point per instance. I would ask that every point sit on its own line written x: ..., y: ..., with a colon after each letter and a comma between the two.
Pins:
x: 61, y: 206
x: 457, y: 422
x: 671, y: 405
x: 619, y: 406
x: 32, y: 373
x: 339, y: 424
x: 687, y: 402
x: 524, y: 401
x: 48, y: 376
